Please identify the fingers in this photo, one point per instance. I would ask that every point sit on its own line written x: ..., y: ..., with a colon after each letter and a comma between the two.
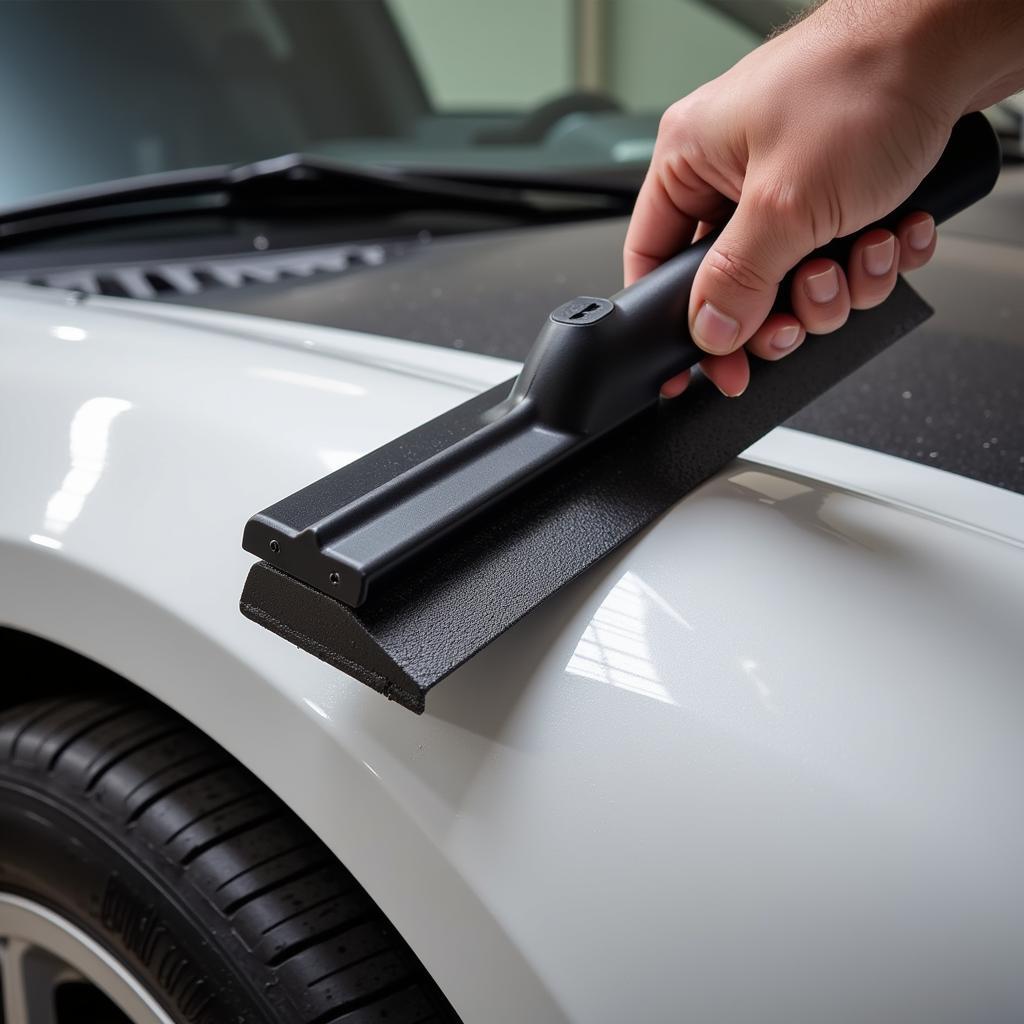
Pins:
x: 872, y: 268
x: 729, y: 373
x: 736, y: 285
x: 917, y: 238
x: 675, y: 386
x: 669, y: 214
x: 779, y: 335
x: 658, y: 229
x: 820, y: 296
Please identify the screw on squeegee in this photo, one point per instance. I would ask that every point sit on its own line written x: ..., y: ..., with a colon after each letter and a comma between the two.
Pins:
x: 334, y: 578
x: 583, y: 310
x: 275, y: 546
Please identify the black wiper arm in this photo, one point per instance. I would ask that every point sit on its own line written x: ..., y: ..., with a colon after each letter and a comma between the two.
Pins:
x: 295, y: 178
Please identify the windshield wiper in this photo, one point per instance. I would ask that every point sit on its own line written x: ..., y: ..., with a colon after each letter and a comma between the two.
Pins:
x: 302, y: 184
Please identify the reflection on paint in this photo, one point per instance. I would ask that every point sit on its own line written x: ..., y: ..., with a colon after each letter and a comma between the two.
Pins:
x: 752, y: 671
x: 68, y: 333
x: 315, y: 708
x: 45, y: 542
x: 807, y: 505
x: 307, y: 380
x: 614, y: 648
x: 771, y: 487
x: 90, y: 432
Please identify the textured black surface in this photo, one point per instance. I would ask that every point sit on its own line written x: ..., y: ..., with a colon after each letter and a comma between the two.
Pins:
x: 488, y: 292
x: 952, y: 402
x: 511, y: 560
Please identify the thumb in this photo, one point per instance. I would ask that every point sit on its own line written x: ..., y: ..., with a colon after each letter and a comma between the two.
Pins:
x: 739, y: 278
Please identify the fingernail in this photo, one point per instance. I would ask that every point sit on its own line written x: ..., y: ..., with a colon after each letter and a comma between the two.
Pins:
x: 921, y: 234
x: 878, y: 258
x: 823, y: 287
x: 784, y: 338
x: 713, y: 330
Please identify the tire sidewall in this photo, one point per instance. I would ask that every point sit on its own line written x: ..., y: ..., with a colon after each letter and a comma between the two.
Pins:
x: 68, y: 856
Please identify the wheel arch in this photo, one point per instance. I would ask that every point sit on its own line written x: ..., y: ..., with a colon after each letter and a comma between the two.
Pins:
x: 78, y: 618
x: 19, y: 647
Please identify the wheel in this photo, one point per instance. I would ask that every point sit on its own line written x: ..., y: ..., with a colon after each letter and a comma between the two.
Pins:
x: 147, y: 877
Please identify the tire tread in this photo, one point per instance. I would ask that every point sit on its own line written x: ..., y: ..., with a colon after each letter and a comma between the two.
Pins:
x: 305, y: 922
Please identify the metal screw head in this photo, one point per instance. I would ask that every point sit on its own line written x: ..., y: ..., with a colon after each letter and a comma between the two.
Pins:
x: 275, y: 546
x: 334, y: 578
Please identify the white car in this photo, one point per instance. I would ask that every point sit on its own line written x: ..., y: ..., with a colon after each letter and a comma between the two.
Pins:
x: 763, y: 764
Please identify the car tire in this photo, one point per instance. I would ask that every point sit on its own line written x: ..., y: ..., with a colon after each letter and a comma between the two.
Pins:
x: 129, y: 823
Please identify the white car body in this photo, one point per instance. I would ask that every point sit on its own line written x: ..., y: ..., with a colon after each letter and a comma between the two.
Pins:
x: 763, y: 764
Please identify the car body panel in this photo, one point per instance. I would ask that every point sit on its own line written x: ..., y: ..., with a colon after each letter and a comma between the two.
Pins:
x: 763, y: 763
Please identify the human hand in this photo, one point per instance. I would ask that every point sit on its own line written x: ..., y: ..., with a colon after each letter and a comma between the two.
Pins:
x: 815, y: 135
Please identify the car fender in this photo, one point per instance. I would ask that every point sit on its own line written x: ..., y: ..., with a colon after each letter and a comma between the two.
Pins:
x: 764, y: 762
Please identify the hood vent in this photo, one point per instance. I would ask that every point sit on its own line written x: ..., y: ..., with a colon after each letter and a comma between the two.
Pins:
x: 191, y: 277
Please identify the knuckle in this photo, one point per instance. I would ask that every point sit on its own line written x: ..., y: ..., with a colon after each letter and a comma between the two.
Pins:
x: 679, y: 113
x: 672, y: 120
x: 805, y: 210
x: 682, y: 124
x: 733, y: 269
x: 781, y: 198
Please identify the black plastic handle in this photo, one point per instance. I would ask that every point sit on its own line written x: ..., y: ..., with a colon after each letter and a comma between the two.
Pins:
x: 598, y: 361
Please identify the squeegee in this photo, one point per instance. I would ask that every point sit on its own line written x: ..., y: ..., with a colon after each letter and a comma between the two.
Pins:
x: 399, y: 567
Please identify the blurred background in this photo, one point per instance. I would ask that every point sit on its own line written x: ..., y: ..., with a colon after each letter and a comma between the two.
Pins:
x: 92, y: 91
x: 496, y: 56
x: 96, y: 90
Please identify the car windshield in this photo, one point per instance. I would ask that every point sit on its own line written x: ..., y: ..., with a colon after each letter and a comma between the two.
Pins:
x: 99, y: 90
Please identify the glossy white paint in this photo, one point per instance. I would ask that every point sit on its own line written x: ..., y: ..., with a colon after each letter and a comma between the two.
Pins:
x: 762, y: 765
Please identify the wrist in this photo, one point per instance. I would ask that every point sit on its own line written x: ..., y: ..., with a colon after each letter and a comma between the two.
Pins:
x: 949, y: 56
x: 976, y: 47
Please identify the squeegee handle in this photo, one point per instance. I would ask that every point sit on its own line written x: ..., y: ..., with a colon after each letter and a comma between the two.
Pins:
x: 599, y: 361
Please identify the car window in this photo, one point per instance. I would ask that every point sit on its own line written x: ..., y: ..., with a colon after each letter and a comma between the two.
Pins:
x: 476, y: 55
x: 99, y: 90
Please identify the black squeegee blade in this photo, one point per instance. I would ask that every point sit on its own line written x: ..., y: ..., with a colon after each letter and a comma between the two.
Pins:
x: 448, y: 606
